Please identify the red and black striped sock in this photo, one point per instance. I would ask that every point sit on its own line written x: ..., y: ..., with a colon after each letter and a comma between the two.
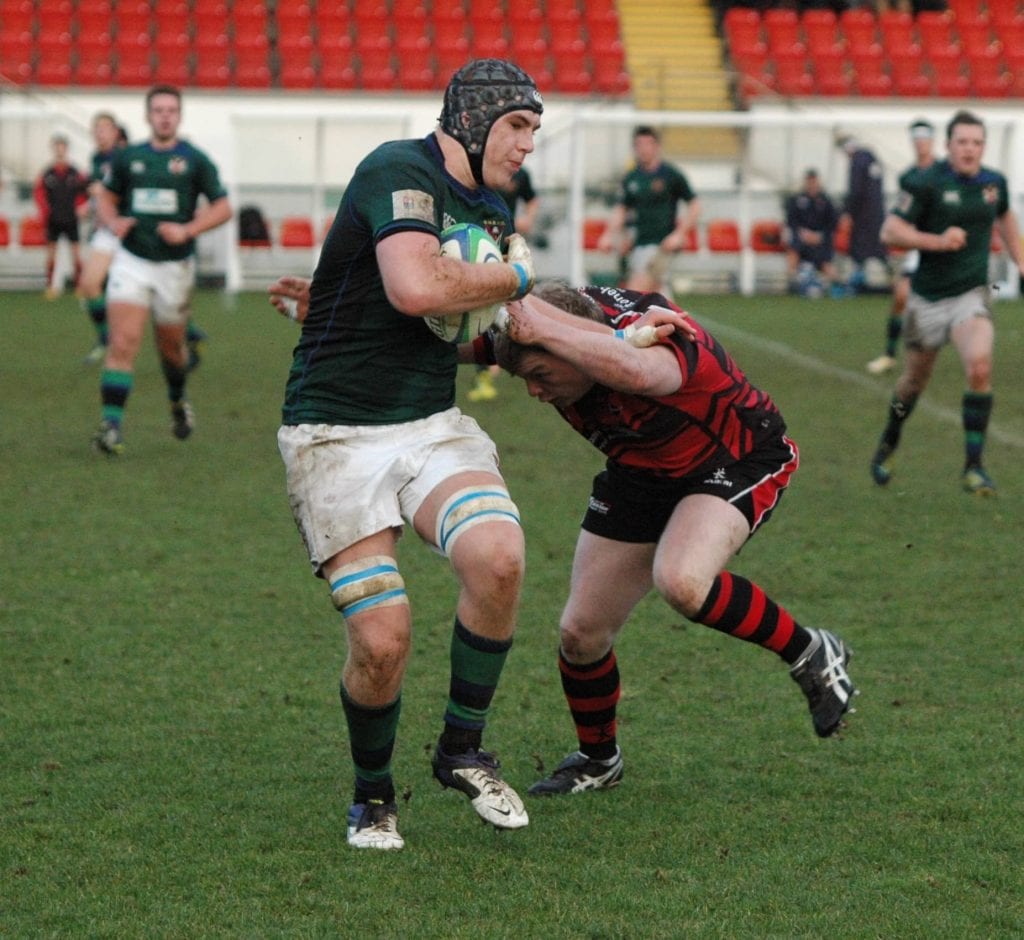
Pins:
x: 740, y: 608
x: 592, y: 691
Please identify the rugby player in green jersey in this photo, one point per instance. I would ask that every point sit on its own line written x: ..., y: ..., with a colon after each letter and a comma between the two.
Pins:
x: 372, y: 441
x: 651, y: 191
x: 947, y: 212
x: 150, y: 201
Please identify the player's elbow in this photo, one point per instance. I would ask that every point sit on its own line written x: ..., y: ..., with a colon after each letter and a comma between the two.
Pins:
x: 415, y: 300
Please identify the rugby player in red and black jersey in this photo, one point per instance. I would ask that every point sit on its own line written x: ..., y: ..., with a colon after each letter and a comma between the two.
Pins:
x: 698, y: 459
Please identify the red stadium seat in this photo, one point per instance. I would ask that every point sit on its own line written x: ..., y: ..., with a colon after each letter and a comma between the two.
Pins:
x: 94, y: 60
x: 53, y: 61
x: 723, y: 235
x: 782, y: 28
x: 859, y: 28
x: 567, y: 38
x: 912, y: 85
x: 297, y: 69
x: 820, y: 29
x: 741, y: 25
x: 593, y: 229
x: 488, y: 40
x: 766, y: 237
x: 897, y: 30
x: 134, y: 65
x: 570, y: 78
x: 976, y: 37
x: 5, y: 232
x: 296, y: 232
x: 935, y: 28
x: 16, y: 58
x: 952, y: 85
x: 991, y: 86
x: 415, y: 76
x: 212, y: 68
x: 869, y: 85
x: 830, y: 74
x: 611, y: 78
x: 31, y: 232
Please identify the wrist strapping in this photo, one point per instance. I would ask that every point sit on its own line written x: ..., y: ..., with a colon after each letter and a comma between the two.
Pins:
x: 524, y: 281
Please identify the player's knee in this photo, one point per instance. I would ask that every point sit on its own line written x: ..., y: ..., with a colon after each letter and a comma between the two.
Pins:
x: 470, y: 507
x: 683, y: 591
x: 495, y: 572
x: 581, y: 643
x: 369, y: 584
x: 979, y: 374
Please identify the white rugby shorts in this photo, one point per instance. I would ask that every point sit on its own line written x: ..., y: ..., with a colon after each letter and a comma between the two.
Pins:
x: 927, y: 324
x: 164, y: 287
x: 105, y: 241
x: 348, y: 482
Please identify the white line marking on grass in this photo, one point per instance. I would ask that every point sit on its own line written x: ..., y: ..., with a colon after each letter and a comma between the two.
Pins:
x: 820, y: 367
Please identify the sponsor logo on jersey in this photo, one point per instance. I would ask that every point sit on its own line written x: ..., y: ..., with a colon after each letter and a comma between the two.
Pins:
x: 412, y: 204
x: 138, y: 166
x: 951, y: 197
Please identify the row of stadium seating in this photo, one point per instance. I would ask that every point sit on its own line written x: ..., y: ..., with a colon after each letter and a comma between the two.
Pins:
x: 404, y: 44
x: 968, y: 50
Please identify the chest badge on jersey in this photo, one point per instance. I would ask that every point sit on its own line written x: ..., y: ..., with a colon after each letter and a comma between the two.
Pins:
x: 177, y: 165
x: 990, y: 194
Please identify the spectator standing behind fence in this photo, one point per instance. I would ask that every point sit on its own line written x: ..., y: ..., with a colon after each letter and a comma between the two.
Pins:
x: 865, y: 207
x: 811, y: 219
x: 60, y: 192
x: 922, y: 137
x: 652, y: 191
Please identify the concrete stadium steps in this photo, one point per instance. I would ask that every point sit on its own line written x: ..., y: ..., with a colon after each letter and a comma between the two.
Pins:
x: 675, y: 62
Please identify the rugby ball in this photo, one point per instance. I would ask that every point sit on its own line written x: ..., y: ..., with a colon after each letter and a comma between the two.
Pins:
x: 466, y: 242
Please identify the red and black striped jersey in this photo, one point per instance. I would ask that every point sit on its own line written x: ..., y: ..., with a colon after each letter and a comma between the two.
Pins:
x: 715, y: 418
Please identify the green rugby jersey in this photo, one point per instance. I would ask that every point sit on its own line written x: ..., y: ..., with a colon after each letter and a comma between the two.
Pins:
x: 161, y: 186
x: 654, y: 198
x: 359, y: 360
x: 934, y: 199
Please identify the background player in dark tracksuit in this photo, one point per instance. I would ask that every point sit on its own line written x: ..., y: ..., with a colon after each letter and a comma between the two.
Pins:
x: 811, y: 219
x: 865, y: 206
x: 698, y: 459
x: 60, y: 191
x: 947, y: 213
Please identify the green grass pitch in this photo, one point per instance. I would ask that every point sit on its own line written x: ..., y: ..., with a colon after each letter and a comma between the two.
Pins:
x: 173, y: 761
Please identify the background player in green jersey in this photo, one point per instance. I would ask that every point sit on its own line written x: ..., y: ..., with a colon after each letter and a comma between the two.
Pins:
x: 651, y: 191
x: 150, y: 201
x: 947, y: 213
x: 371, y: 439
x: 107, y: 135
x: 922, y: 138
